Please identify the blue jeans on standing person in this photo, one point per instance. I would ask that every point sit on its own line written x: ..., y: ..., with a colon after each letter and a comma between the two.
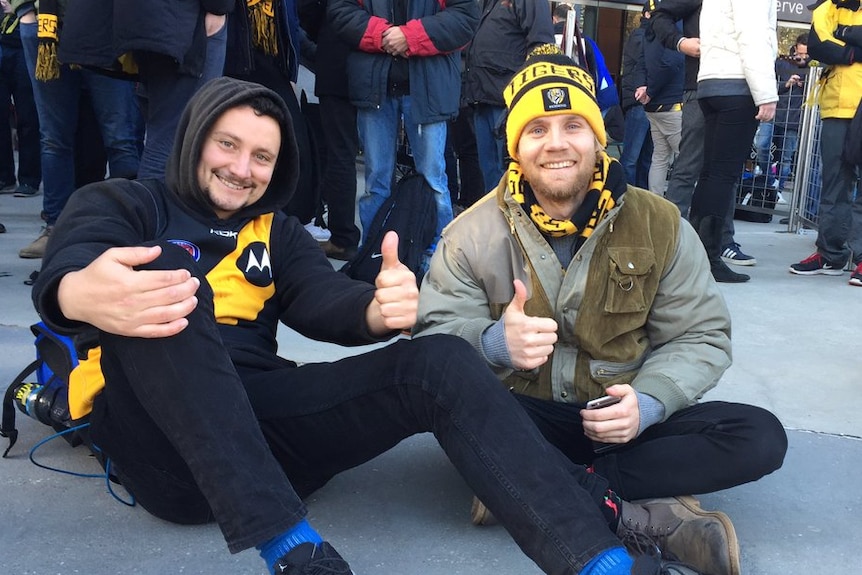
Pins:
x: 378, y: 129
x: 166, y: 91
x: 789, y: 140
x: 636, y: 156
x: 486, y: 119
x: 785, y: 141
x: 763, y: 146
x: 57, y: 105
x: 241, y: 444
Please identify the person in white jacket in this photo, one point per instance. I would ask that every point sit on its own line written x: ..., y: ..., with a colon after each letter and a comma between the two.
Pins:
x: 736, y: 89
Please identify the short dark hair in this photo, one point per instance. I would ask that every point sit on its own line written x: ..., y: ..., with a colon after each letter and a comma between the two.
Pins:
x: 802, y: 39
x: 264, y: 106
x: 561, y: 10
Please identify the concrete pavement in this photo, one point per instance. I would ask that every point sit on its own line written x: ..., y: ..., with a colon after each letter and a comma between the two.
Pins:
x: 796, y: 341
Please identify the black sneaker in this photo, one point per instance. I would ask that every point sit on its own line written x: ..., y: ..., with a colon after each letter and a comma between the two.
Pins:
x: 311, y: 559
x: 25, y: 191
x: 733, y: 254
x: 8, y: 188
x: 856, y: 276
x: 817, y: 264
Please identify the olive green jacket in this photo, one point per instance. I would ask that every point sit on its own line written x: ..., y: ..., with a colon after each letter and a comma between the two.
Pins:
x: 636, y: 305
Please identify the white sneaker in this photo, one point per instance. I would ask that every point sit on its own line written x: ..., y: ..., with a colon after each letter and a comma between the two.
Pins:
x: 318, y: 233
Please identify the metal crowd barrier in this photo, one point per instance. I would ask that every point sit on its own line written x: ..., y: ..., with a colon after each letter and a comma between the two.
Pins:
x: 759, y: 197
x: 807, y: 181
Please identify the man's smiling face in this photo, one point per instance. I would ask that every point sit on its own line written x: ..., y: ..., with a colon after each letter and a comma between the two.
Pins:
x: 558, y: 156
x: 238, y: 159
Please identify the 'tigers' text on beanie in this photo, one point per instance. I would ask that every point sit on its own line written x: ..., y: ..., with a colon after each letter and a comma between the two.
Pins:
x: 550, y: 84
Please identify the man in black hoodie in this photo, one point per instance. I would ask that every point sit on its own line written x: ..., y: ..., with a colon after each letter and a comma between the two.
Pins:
x: 175, y: 289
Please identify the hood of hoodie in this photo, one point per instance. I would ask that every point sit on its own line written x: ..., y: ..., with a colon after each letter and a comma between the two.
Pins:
x: 206, y: 106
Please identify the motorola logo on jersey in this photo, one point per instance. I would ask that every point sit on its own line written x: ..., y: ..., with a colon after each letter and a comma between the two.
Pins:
x: 193, y: 250
x: 255, y: 264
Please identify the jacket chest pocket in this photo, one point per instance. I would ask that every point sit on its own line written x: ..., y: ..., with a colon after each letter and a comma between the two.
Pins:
x: 630, y: 269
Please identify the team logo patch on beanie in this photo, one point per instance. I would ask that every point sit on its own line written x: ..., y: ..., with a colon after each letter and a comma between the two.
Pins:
x: 550, y: 83
x: 556, y: 99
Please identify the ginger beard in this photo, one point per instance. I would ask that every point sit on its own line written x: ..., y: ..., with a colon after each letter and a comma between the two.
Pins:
x: 558, y: 155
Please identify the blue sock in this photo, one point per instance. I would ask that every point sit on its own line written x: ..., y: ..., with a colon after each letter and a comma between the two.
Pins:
x: 613, y: 561
x: 278, y: 546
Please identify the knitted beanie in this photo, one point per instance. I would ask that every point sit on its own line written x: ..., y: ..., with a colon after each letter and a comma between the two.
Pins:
x: 550, y: 84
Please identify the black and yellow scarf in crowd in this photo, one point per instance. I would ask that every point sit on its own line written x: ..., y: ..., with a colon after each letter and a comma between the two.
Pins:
x: 261, y: 17
x: 48, y: 33
x: 607, y: 185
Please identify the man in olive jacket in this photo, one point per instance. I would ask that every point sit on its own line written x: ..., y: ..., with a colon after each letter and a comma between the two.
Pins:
x: 573, y: 285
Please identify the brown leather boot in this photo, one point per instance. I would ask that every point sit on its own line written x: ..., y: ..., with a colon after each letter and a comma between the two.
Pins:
x: 36, y: 249
x: 684, y: 531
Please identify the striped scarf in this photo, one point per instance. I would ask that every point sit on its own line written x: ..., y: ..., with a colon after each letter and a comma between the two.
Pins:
x: 48, y: 32
x: 607, y: 185
x: 261, y: 15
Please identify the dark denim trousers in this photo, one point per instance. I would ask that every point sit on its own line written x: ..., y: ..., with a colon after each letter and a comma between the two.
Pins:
x: 839, y: 232
x: 491, y: 148
x: 166, y: 92
x: 729, y: 127
x: 57, y: 105
x: 15, y: 83
x: 700, y: 449
x: 338, y: 184
x: 636, y: 156
x: 194, y: 438
x: 689, y: 162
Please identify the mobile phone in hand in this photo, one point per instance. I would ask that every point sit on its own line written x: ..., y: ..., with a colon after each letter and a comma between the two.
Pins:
x: 604, y: 401
x: 598, y: 403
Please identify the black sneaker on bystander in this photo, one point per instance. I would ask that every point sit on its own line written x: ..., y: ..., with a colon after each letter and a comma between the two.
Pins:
x: 817, y: 264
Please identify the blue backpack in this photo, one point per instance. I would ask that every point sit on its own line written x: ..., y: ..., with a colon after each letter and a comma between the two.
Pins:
x: 46, y: 399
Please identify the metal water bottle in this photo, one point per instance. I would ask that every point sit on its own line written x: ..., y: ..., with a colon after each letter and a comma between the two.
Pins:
x: 36, y: 401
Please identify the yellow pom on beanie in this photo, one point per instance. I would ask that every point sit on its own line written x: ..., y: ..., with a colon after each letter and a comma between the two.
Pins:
x: 550, y: 84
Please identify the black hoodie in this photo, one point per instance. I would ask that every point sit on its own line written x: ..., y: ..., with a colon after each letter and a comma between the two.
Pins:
x: 262, y: 265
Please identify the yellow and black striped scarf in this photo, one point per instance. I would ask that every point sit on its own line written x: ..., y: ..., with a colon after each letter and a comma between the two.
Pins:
x: 48, y: 32
x: 261, y: 16
x: 607, y: 186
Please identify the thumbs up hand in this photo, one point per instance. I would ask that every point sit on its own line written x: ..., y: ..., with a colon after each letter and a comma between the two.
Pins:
x: 530, y: 339
x: 396, y: 300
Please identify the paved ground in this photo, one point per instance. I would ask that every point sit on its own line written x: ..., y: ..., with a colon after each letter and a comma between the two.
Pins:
x: 796, y: 342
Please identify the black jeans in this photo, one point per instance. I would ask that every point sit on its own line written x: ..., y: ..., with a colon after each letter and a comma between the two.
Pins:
x: 729, y: 127
x: 338, y: 184
x: 15, y: 84
x: 193, y: 438
x: 700, y: 449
